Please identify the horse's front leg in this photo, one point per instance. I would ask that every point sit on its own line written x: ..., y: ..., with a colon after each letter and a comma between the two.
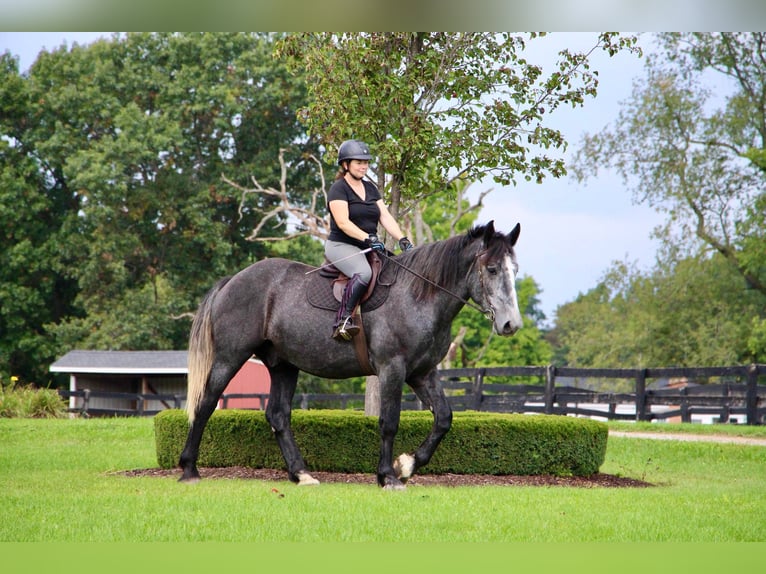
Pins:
x: 284, y: 379
x: 429, y: 390
x: 388, y: 423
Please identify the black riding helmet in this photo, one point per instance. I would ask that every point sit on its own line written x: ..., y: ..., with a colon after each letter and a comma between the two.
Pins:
x: 353, y: 149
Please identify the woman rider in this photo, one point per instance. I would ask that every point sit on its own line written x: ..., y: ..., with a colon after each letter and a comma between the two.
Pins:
x: 356, y: 209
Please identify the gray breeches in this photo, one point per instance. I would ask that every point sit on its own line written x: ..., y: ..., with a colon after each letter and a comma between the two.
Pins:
x: 354, y: 264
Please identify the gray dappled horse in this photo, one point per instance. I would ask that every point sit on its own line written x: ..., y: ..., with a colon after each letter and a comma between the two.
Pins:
x: 263, y: 311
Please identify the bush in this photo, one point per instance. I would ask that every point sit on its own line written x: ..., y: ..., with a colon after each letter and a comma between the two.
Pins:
x: 26, y: 401
x: 348, y: 441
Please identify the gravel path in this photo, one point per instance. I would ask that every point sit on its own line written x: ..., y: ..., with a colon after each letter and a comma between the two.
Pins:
x: 691, y: 437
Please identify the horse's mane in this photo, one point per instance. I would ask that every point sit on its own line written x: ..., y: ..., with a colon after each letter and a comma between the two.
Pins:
x: 439, y: 262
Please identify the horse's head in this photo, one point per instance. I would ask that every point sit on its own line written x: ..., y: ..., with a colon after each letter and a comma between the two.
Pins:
x: 495, y: 289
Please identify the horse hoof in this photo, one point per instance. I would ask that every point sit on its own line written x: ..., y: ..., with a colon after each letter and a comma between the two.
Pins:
x: 189, y: 479
x: 305, y: 479
x: 404, y: 466
x: 394, y: 484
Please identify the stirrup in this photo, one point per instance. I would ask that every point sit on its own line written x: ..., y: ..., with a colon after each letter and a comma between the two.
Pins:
x: 346, y: 329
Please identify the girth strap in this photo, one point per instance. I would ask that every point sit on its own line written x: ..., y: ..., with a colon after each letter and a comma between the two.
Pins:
x: 360, y: 346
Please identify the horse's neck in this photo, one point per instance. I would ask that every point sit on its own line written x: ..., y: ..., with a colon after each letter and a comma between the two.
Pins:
x: 450, y: 299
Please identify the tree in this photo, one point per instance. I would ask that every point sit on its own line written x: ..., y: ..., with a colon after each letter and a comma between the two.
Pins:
x: 32, y: 219
x: 693, y: 312
x: 438, y: 107
x: 691, y: 142
x: 117, y: 149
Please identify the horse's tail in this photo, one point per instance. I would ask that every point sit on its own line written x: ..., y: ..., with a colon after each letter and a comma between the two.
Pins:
x: 200, y: 357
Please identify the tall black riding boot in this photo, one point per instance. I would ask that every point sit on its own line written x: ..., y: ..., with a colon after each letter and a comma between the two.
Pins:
x: 344, y: 326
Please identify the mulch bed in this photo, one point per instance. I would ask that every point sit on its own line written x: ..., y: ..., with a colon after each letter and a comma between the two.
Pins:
x: 597, y: 480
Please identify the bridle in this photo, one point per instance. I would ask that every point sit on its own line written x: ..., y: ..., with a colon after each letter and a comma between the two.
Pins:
x: 489, y: 313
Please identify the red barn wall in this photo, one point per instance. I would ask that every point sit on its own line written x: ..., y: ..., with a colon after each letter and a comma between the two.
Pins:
x: 253, y: 377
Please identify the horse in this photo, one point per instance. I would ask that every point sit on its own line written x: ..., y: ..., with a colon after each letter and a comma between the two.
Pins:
x: 262, y: 311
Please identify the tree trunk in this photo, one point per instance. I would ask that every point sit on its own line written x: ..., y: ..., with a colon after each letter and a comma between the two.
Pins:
x: 372, y: 396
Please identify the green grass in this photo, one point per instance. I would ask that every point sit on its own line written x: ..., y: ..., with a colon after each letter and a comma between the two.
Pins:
x: 60, y: 482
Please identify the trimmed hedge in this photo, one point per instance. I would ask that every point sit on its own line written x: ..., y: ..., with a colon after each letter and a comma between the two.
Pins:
x: 348, y: 441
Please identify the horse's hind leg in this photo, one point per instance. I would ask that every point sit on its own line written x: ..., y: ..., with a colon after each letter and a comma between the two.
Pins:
x: 284, y: 378
x: 219, y: 377
x: 430, y: 393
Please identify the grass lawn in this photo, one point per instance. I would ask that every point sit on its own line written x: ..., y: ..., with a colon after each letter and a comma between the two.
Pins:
x: 60, y: 482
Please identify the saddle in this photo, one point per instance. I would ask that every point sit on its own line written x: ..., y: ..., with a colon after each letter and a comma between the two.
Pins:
x: 325, y: 291
x: 325, y: 288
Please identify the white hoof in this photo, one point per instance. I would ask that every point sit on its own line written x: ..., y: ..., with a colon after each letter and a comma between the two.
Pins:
x: 404, y: 465
x: 305, y: 479
x: 399, y: 486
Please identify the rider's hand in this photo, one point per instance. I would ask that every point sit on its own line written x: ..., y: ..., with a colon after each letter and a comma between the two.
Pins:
x: 405, y: 244
x: 375, y: 243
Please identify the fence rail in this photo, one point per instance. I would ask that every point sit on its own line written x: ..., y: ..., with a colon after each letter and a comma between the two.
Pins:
x: 726, y: 392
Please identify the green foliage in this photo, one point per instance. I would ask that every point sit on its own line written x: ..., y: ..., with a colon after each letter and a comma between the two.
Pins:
x: 348, y: 441
x: 114, y: 213
x: 27, y: 401
x: 692, y: 147
x: 698, y: 312
x: 440, y: 106
x: 689, y: 142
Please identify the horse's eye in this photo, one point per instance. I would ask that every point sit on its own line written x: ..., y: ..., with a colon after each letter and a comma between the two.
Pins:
x: 492, y: 269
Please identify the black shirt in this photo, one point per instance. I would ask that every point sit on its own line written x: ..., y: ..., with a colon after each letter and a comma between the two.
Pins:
x: 365, y: 214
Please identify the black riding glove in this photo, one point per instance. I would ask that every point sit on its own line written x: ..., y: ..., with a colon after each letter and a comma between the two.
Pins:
x: 405, y: 244
x: 375, y: 243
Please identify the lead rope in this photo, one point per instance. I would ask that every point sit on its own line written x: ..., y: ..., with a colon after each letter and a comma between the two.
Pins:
x: 488, y: 313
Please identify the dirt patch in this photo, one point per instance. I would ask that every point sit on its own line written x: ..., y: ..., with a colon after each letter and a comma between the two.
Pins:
x: 597, y: 480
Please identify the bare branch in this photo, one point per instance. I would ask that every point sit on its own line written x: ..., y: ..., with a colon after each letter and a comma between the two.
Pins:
x: 310, y: 221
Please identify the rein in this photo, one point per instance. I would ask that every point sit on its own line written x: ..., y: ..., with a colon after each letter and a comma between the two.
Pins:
x: 488, y: 313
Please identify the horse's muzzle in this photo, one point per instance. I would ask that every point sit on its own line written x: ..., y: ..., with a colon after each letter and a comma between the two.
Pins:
x: 507, y: 325
x: 508, y: 329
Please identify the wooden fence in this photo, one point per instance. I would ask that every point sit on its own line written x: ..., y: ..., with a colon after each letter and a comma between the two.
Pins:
x: 676, y: 393
x: 723, y: 393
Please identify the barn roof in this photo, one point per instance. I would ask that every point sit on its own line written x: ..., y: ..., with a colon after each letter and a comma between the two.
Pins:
x: 122, y: 362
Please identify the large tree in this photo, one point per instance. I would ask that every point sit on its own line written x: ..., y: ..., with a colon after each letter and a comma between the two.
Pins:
x: 115, y: 152
x: 691, y: 141
x: 439, y: 108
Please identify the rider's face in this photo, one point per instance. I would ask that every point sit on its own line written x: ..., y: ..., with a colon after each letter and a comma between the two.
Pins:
x: 358, y: 167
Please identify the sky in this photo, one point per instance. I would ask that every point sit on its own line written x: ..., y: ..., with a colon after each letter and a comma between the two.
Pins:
x: 571, y: 232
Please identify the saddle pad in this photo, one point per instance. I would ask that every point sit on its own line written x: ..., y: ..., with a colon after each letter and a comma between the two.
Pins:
x: 319, y: 291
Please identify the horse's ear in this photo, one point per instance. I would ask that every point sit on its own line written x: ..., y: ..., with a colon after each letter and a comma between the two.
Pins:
x: 489, y: 233
x: 513, y: 236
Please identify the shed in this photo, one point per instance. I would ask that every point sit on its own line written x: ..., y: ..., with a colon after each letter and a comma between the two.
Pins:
x: 113, y: 380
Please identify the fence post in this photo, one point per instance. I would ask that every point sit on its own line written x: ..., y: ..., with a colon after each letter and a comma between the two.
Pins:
x: 85, y: 403
x: 641, y: 414
x: 686, y: 416
x: 550, y: 388
x: 751, y: 400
